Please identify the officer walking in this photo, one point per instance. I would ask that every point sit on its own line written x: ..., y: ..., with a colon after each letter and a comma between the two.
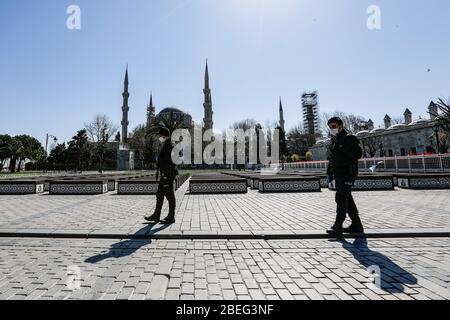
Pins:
x: 168, y: 172
x: 343, y: 169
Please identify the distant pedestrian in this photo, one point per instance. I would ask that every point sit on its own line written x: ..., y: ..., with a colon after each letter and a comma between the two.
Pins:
x: 168, y: 172
x: 343, y: 169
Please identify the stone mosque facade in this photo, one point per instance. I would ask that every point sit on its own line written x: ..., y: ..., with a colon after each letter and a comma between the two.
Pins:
x: 412, y: 137
x: 125, y: 156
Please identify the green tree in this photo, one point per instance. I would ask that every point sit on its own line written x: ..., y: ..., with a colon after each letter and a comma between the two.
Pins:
x: 58, y: 157
x: 145, y: 146
x: 26, y: 148
x: 297, y: 141
x: 15, y: 147
x: 5, y: 149
x: 79, y: 150
x: 295, y: 158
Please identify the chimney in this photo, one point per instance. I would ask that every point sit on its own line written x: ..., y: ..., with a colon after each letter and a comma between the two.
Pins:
x: 387, y: 122
x: 408, y: 116
x: 433, y: 110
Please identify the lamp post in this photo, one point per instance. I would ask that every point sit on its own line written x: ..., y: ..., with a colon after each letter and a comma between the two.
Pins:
x: 46, y: 148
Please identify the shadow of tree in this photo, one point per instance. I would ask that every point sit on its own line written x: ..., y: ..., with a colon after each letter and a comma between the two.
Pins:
x: 393, y: 277
x: 127, y: 247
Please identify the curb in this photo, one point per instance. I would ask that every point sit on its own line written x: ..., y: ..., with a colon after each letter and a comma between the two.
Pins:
x: 249, y: 236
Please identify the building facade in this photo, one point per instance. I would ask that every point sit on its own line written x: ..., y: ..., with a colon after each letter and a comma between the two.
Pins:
x: 408, y: 138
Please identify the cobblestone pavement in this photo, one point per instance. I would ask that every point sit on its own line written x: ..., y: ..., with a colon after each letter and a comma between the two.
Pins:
x: 411, y: 268
x: 257, y: 270
x: 400, y: 209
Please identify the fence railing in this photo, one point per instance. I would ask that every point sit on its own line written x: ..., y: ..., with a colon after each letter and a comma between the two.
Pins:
x: 408, y: 164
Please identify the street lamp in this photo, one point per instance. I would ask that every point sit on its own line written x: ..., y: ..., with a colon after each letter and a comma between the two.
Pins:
x: 46, y: 148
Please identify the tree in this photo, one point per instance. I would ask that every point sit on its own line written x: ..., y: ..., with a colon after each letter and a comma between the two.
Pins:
x: 100, y: 129
x: 15, y: 146
x: 372, y: 144
x: 398, y: 120
x: 443, y: 114
x: 58, y: 157
x: 444, y: 142
x: 169, y: 121
x: 297, y: 141
x: 352, y: 123
x: 79, y: 150
x: 5, y: 149
x: 145, y: 146
x: 245, y: 125
x: 295, y: 158
x: 25, y: 147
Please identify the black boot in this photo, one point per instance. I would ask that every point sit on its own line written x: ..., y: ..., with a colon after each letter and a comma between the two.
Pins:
x: 153, y: 218
x: 168, y: 220
x: 335, y: 231
x: 354, y: 228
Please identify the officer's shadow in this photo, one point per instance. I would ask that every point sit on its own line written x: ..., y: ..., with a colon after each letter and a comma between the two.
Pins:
x: 393, y: 277
x: 128, y: 247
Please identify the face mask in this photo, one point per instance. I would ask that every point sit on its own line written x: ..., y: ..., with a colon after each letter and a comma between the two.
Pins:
x: 334, y: 132
x: 162, y: 139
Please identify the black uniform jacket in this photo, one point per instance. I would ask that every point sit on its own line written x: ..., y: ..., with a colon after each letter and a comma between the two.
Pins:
x: 165, y: 165
x: 344, y: 155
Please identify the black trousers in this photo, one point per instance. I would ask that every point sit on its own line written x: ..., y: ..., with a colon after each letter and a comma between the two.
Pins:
x: 165, y: 190
x: 345, y: 202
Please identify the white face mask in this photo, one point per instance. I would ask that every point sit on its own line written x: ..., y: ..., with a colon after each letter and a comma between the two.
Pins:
x: 334, y: 132
x: 162, y: 139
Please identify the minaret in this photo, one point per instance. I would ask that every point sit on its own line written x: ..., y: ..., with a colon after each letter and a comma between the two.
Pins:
x: 408, y: 116
x: 125, y: 109
x: 433, y: 110
x: 151, y: 111
x: 207, y: 105
x: 282, y: 122
x: 387, y: 122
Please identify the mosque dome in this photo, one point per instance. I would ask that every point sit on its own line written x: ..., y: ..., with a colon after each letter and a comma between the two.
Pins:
x: 178, y: 114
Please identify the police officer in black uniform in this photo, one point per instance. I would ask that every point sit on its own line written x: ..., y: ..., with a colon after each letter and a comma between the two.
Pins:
x: 343, y: 169
x: 168, y: 171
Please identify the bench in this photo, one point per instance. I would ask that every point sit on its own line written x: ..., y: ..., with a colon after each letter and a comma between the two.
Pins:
x: 21, y: 187
x: 371, y: 183
x: 78, y: 187
x: 289, y: 184
x: 217, y: 184
x: 137, y: 186
x: 424, y: 181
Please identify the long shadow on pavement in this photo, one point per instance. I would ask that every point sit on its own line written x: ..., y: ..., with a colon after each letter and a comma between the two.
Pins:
x: 393, y: 277
x: 127, y: 247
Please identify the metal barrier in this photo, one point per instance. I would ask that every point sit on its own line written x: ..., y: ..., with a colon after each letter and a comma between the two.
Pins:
x: 408, y: 164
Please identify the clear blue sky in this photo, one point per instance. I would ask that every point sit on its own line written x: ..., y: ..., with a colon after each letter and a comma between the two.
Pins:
x: 54, y: 80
